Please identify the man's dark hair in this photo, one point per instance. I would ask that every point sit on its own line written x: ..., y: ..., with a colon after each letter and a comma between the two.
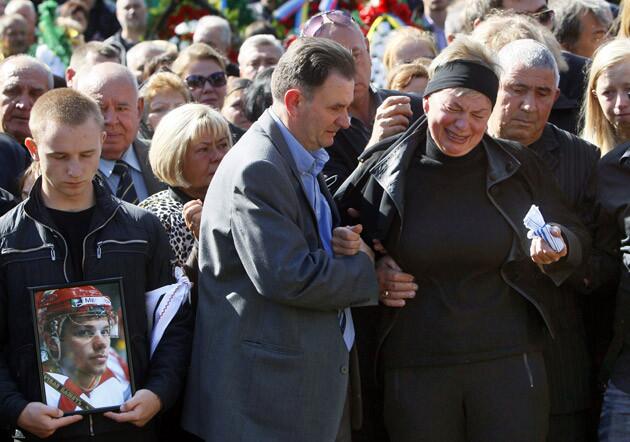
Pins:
x: 567, y: 26
x: 258, y: 95
x: 307, y: 64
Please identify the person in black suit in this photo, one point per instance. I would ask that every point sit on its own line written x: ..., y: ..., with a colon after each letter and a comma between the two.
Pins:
x: 124, y: 164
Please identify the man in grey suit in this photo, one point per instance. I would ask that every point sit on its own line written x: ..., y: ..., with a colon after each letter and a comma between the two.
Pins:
x: 271, y: 351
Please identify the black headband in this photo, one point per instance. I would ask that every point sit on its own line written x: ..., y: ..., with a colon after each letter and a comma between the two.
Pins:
x: 463, y: 73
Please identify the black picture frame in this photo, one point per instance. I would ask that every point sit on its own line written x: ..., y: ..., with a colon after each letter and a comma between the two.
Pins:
x: 81, y: 333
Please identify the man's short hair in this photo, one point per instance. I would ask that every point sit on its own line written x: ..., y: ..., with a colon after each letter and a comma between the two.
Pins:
x: 21, y: 59
x: 528, y: 54
x: 307, y: 64
x: 256, y: 41
x: 105, y: 50
x: 567, y: 26
x: 214, y: 21
x: 14, y: 6
x: 63, y: 106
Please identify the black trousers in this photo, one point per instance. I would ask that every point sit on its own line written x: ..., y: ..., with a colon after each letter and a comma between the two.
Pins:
x: 499, y: 400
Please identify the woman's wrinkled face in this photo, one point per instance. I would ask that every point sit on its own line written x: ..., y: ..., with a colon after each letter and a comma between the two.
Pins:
x: 457, y: 121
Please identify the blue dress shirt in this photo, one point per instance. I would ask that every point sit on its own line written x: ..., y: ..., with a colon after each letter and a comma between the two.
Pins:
x: 310, y: 164
x: 106, y: 168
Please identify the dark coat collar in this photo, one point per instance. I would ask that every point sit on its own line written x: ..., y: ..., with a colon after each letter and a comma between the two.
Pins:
x: 272, y: 131
x: 547, y: 146
x: 105, y: 206
x: 178, y: 195
x: 390, y: 170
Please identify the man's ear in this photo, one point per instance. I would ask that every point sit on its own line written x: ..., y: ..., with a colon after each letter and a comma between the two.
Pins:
x: 31, y: 145
x: 557, y: 95
x: 292, y: 100
x: 425, y: 104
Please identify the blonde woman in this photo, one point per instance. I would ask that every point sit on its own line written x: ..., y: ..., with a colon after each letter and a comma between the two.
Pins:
x: 187, y: 148
x: 162, y: 92
x: 624, y: 19
x: 606, y: 109
x: 203, y: 70
x: 406, y: 45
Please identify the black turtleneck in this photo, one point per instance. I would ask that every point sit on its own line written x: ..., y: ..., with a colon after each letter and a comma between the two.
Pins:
x: 454, y: 241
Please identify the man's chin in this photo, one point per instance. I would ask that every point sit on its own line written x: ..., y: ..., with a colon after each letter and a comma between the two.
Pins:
x: 113, y: 151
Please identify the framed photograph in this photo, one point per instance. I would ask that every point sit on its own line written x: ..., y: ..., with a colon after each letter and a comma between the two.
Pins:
x: 83, y: 354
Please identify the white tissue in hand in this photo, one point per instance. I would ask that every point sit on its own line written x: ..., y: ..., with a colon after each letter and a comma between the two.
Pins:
x: 535, y: 222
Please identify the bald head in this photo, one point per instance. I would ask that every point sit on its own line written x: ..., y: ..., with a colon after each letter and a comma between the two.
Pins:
x: 104, y: 74
x: 115, y: 89
x: 140, y: 54
x: 26, y: 9
x: 23, y: 79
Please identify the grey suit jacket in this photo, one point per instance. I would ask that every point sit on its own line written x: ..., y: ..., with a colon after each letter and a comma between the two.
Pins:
x: 269, y: 363
x: 142, y: 152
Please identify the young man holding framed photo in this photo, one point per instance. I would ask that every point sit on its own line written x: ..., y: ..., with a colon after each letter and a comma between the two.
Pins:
x: 72, y: 229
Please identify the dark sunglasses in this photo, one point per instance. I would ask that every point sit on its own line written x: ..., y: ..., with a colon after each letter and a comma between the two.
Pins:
x: 216, y: 79
x: 312, y: 27
x: 544, y: 16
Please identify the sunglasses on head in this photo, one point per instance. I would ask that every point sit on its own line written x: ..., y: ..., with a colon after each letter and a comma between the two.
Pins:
x: 314, y: 25
x: 216, y: 79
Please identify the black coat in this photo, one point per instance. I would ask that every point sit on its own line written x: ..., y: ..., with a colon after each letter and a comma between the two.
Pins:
x: 566, y: 110
x: 350, y: 143
x: 13, y: 161
x: 573, y: 163
x: 516, y: 179
x: 613, y: 239
x: 123, y: 240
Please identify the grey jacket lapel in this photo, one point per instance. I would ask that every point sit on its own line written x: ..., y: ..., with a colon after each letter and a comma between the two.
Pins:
x: 269, y: 127
x: 142, y: 153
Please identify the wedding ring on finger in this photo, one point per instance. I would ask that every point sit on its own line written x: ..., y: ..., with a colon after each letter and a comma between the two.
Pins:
x: 386, y: 294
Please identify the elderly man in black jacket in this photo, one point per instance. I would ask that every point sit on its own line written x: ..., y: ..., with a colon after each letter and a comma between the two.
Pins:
x: 528, y: 90
x: 375, y: 114
x: 72, y: 229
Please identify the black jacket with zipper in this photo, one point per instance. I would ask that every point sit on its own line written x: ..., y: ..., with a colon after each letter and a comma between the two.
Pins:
x: 122, y: 241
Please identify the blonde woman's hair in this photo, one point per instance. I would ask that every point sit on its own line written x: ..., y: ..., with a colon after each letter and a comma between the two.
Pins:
x: 502, y: 28
x: 162, y: 81
x: 403, y: 35
x: 196, y: 52
x: 596, y: 128
x: 624, y: 19
x: 465, y: 48
x: 400, y: 77
x: 174, y: 135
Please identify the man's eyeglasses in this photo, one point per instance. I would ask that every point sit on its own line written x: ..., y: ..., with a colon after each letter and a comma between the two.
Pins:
x: 216, y: 79
x: 314, y: 25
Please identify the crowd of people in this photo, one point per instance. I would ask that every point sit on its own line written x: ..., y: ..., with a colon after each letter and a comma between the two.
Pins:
x: 440, y: 253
